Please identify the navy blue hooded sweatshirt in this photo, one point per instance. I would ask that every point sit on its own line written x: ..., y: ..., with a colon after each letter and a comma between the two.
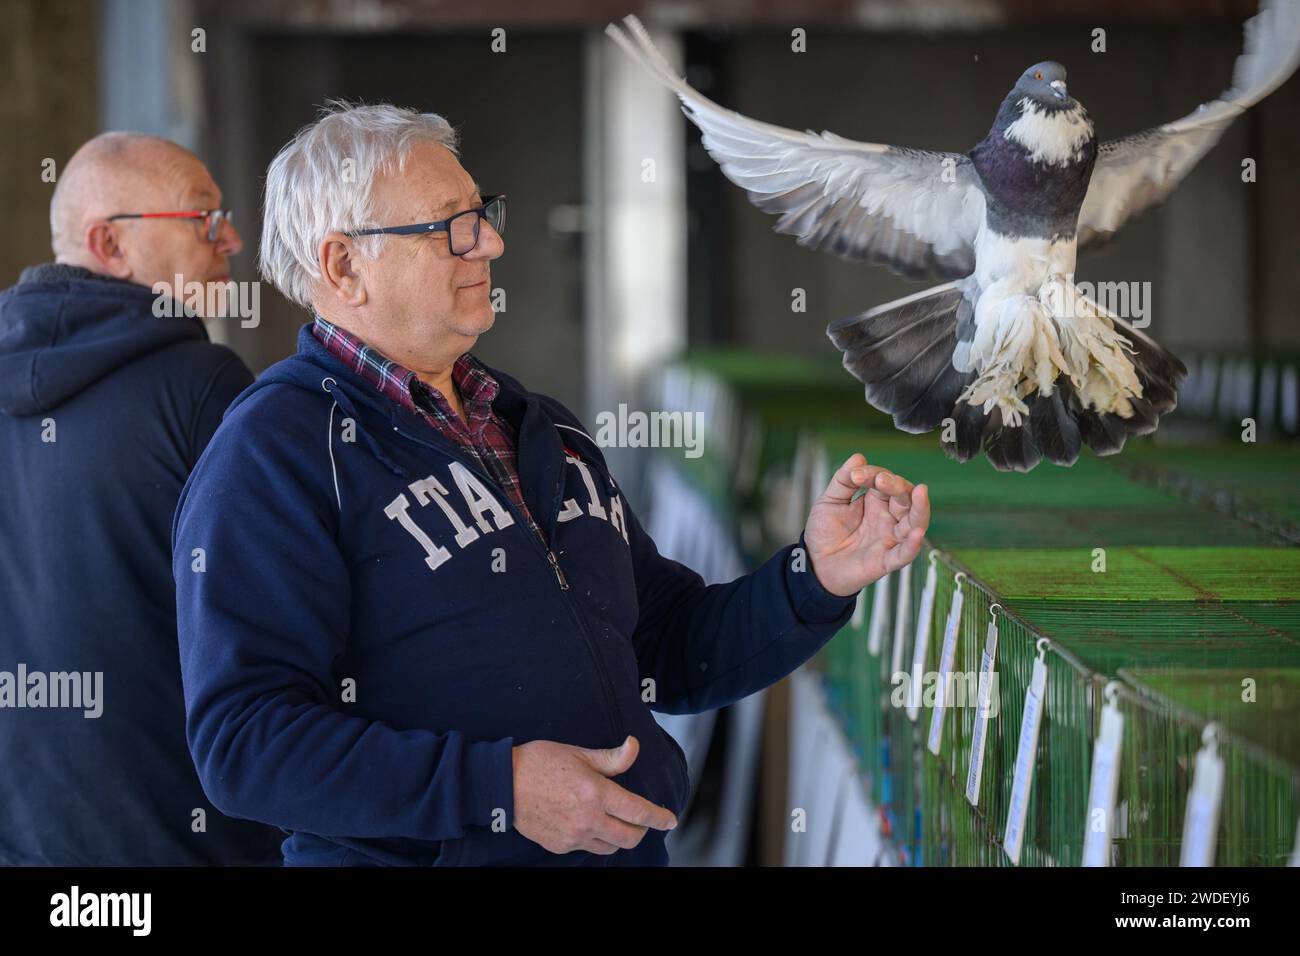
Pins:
x: 104, y: 409
x: 368, y: 625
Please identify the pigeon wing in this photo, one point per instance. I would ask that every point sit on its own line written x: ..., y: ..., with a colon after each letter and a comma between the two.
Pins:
x: 915, y: 211
x: 1139, y: 171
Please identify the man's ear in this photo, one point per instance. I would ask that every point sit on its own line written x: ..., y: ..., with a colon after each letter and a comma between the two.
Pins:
x: 102, y: 242
x: 340, y: 270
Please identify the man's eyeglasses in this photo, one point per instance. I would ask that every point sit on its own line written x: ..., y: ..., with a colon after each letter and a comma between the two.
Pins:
x: 461, y: 229
x: 212, y: 218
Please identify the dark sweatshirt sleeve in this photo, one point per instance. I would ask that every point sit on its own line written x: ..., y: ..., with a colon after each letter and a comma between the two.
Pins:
x: 708, y: 646
x: 230, y: 377
x: 263, y: 610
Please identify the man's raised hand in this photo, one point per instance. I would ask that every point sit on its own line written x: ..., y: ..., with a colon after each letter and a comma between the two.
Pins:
x: 852, y: 543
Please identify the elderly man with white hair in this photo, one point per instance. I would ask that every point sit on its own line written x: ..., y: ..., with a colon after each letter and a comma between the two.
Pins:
x: 419, y: 622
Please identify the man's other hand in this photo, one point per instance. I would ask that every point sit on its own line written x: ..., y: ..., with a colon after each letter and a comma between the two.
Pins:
x: 565, y: 801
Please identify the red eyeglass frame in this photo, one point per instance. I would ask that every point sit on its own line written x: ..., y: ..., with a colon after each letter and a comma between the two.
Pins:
x: 214, y: 217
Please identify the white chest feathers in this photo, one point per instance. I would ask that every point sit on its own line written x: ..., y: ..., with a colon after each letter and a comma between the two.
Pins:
x: 1055, y: 137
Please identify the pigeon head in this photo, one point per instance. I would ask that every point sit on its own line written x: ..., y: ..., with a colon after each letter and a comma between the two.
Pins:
x: 1044, y: 83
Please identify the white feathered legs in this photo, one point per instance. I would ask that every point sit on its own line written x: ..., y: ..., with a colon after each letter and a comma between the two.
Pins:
x: 1023, y: 343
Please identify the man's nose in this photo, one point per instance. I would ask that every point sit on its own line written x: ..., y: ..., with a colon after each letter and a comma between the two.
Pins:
x: 228, y: 241
x: 490, y: 244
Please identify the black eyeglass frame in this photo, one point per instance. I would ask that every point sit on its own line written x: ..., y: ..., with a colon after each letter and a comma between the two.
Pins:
x: 424, y: 228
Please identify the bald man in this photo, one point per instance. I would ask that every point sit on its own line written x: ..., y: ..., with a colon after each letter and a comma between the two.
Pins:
x: 106, y: 403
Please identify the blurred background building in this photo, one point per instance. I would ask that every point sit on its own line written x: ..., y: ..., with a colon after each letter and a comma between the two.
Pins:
x: 611, y: 276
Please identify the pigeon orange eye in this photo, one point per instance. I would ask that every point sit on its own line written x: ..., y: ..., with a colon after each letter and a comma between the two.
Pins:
x: 1038, y: 76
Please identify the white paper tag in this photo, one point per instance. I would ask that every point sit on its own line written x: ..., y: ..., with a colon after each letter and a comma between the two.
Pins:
x: 902, y: 614
x: 951, y: 634
x: 1201, y: 821
x: 1026, y: 753
x: 987, y: 659
x: 1103, y: 786
x: 921, y: 645
x: 879, y: 615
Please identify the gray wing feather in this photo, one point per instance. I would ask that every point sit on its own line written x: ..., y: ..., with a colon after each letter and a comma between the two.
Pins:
x: 914, y: 211
x: 1139, y: 171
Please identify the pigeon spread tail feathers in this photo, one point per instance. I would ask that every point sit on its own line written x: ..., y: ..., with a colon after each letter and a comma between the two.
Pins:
x: 1008, y: 357
x: 901, y: 351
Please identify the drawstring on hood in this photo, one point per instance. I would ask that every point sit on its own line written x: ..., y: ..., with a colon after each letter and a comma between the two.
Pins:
x: 331, y: 387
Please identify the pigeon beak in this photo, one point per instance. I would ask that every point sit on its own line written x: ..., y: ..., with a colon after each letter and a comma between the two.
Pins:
x: 1058, y: 89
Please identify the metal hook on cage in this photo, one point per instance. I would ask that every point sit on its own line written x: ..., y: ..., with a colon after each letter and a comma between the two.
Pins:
x: 956, y: 578
x: 934, y: 556
x: 993, y: 608
x: 1042, y: 645
x: 1111, y: 692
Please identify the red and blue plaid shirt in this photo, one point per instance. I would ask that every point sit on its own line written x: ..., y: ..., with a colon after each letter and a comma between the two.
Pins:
x: 483, y: 434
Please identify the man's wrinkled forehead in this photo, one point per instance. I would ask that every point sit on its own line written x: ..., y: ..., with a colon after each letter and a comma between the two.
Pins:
x: 448, y: 205
x: 432, y: 186
x: 205, y: 196
x: 161, y: 182
x: 190, y: 183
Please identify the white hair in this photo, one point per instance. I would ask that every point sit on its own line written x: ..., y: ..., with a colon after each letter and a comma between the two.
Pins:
x: 321, y: 181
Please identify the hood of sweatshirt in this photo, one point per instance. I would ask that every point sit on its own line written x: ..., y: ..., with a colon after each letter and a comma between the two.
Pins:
x: 63, y: 328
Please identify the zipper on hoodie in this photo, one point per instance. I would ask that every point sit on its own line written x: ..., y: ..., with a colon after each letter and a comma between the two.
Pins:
x: 606, y: 685
x: 555, y: 563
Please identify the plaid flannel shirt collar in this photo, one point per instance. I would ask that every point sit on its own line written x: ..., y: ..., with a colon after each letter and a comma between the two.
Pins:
x: 477, y: 388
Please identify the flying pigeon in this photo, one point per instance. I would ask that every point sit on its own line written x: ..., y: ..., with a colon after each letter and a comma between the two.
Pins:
x: 1007, y: 356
